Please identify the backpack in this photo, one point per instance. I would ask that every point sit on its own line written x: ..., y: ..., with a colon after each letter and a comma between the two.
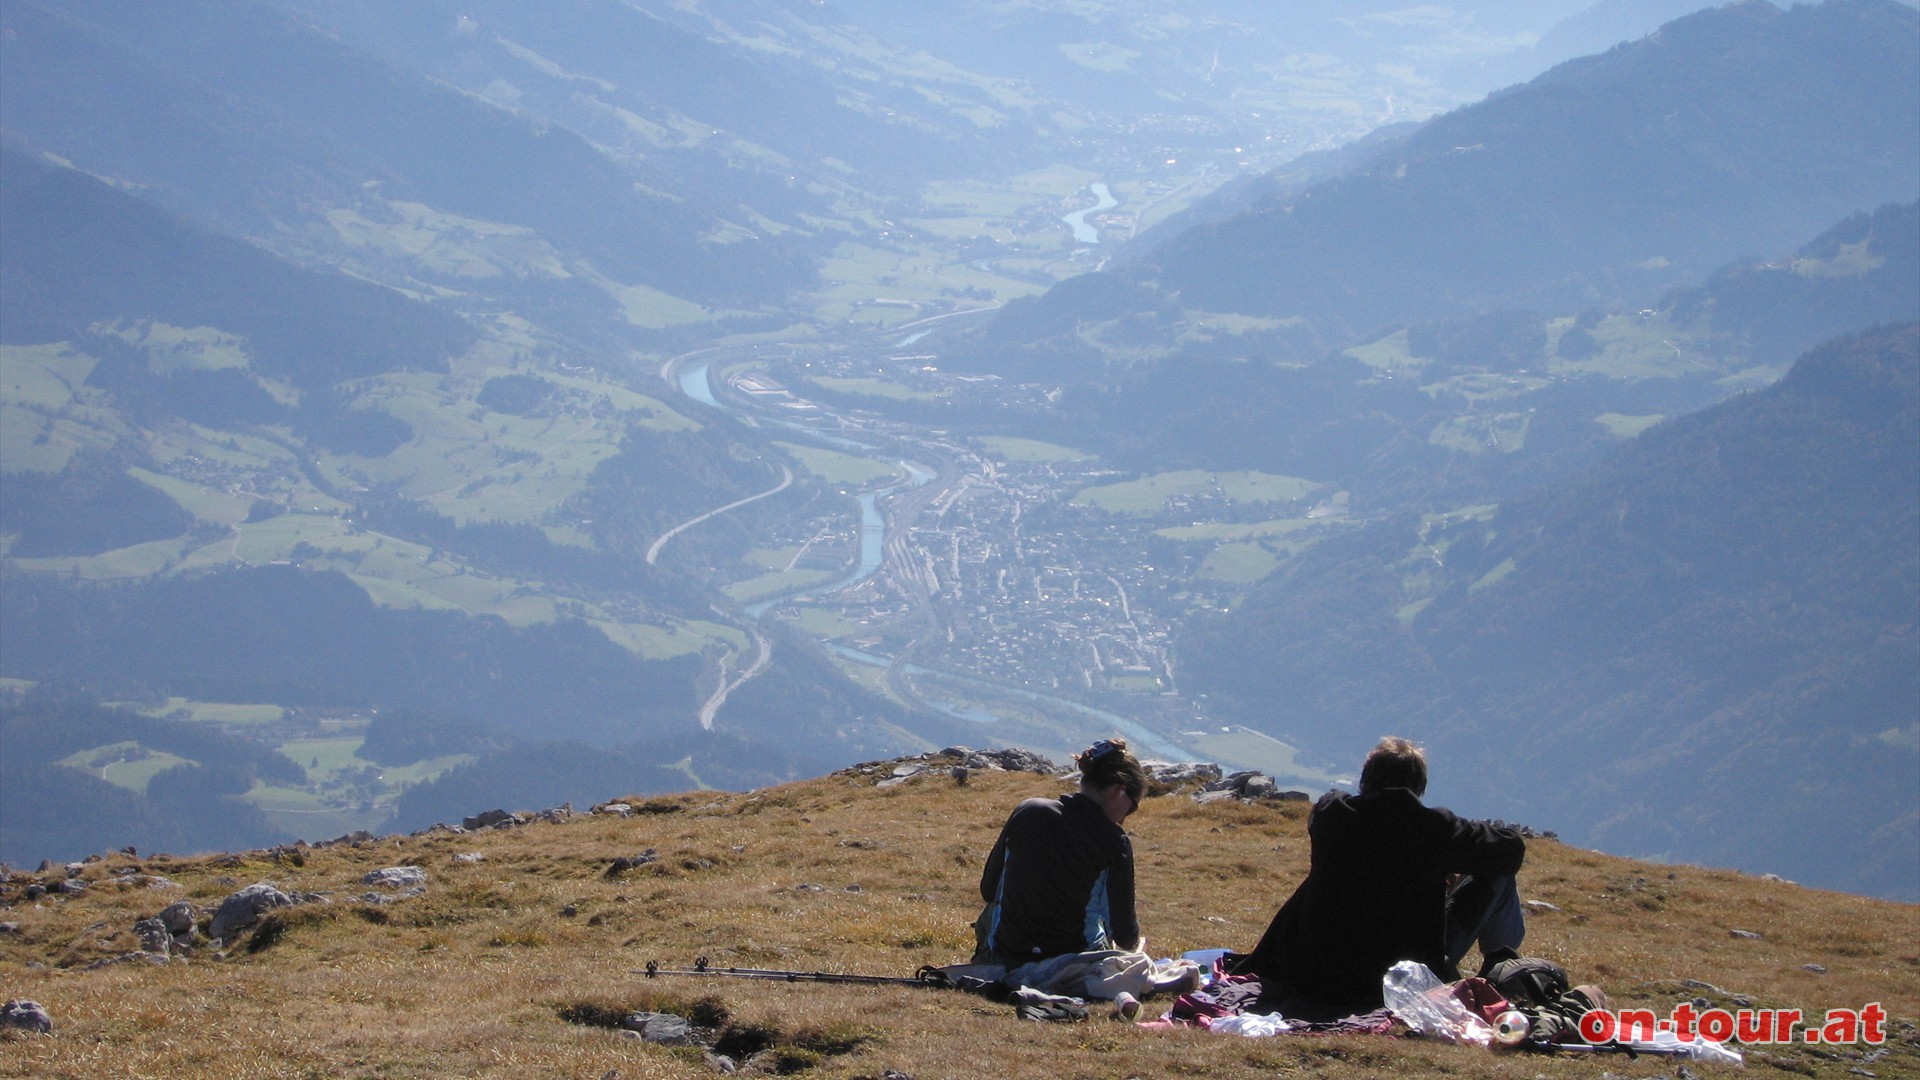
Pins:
x: 1527, y: 981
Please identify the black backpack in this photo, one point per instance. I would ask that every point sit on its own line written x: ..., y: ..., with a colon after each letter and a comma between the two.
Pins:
x: 1528, y: 982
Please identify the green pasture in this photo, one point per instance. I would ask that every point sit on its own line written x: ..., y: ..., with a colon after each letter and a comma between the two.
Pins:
x: 206, y: 504
x: 1623, y: 426
x: 1231, y: 532
x: 44, y: 376
x: 1250, y: 749
x: 1493, y: 577
x: 767, y: 585
x: 45, y: 410
x: 1479, y: 386
x: 650, y: 642
x: 1207, y: 325
x: 651, y: 309
x: 1027, y: 451
x: 1134, y: 684
x: 1239, y: 564
x: 121, y: 564
x: 871, y: 676
x: 180, y: 348
x: 823, y: 623
x: 1410, y: 612
x: 879, y: 388
x: 772, y: 558
x: 835, y: 467
x: 1148, y: 494
x: 1014, y: 198
x: 35, y: 441
x: 217, y: 712
x: 108, y: 763
x: 1633, y: 348
x: 1477, y: 433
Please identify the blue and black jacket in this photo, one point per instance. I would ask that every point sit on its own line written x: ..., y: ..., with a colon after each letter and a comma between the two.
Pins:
x: 1059, y: 880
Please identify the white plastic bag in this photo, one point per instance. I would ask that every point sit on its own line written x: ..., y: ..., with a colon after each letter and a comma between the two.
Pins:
x: 1427, y: 1005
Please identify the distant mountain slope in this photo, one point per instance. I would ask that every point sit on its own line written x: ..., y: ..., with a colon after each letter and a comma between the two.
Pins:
x: 238, y: 111
x: 1609, y: 179
x: 714, y: 119
x: 79, y: 252
x: 1706, y: 648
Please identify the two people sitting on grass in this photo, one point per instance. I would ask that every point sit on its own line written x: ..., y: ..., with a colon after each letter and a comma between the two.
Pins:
x: 1390, y: 879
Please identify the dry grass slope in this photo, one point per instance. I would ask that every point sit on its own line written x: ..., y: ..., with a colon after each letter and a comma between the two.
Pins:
x: 518, y: 965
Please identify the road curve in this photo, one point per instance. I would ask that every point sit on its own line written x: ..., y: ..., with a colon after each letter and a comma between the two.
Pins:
x: 653, y: 552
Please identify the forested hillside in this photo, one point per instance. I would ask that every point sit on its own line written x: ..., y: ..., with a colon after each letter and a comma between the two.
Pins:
x: 1698, y: 649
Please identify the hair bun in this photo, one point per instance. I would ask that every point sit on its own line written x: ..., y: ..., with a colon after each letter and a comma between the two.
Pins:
x: 1089, y: 758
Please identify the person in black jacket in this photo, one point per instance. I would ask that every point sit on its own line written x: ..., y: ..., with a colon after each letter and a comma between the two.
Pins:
x: 1060, y: 877
x: 1390, y: 879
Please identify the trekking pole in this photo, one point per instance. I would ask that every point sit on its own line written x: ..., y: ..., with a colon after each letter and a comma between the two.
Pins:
x: 926, y: 976
x: 1606, y: 1048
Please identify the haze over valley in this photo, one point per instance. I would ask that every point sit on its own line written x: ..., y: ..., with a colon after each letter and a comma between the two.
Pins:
x: 408, y: 410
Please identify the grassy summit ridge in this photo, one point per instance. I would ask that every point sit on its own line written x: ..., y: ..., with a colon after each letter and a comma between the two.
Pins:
x: 514, y: 964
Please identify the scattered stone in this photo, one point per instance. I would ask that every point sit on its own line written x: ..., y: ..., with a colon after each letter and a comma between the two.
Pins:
x: 1745, y: 935
x: 810, y: 886
x: 178, y: 917
x: 569, y: 911
x: 618, y: 809
x: 35, y: 891
x: 396, y: 877
x: 1817, y: 969
x: 244, y: 908
x: 9, y: 927
x: 960, y: 774
x: 1009, y: 760
x: 492, y: 819
x: 470, y: 857
x: 75, y: 869
x: 632, y: 862
x: 126, y: 958
x: 664, y: 1029
x: 27, y: 1016
x: 721, y: 1063
x: 1542, y: 905
x: 1778, y: 878
x: 1177, y: 773
x: 71, y: 887
x: 154, y: 936
x: 854, y: 888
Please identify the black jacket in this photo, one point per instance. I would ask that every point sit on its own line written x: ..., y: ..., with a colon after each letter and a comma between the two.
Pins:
x: 1375, y: 894
x: 1062, y: 875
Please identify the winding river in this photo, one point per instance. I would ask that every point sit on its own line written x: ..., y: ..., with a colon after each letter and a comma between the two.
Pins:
x: 1084, y: 233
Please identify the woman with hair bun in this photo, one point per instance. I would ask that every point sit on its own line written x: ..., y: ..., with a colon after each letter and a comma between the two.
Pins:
x: 1060, y: 878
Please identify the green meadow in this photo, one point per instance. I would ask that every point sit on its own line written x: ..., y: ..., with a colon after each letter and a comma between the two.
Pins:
x: 1149, y: 493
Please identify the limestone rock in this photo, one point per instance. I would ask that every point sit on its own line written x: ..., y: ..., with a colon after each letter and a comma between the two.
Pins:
x: 396, y: 877
x: 27, y: 1016
x: 178, y: 917
x: 244, y: 908
x: 665, y: 1029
